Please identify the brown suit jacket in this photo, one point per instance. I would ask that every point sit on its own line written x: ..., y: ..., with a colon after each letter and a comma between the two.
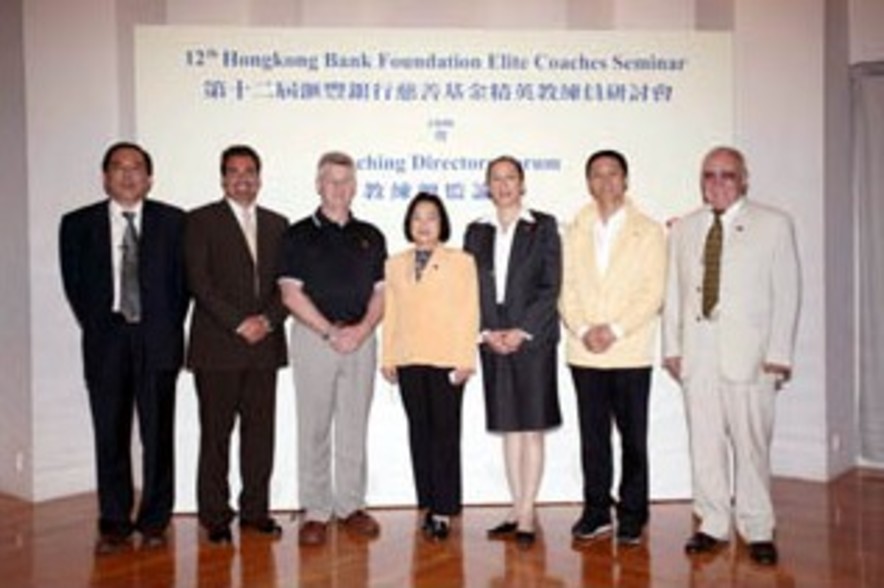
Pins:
x: 220, y: 275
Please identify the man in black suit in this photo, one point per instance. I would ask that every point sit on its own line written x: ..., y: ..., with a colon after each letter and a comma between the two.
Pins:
x: 236, y: 343
x: 123, y: 273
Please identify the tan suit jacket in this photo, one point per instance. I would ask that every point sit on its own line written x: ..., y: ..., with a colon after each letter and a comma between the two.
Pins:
x: 629, y: 294
x: 758, y: 296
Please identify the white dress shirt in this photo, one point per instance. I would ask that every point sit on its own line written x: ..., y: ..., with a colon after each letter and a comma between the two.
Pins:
x: 605, y: 234
x: 727, y: 218
x: 503, y: 245
x: 248, y: 223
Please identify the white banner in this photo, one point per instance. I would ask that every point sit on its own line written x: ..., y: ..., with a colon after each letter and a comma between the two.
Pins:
x: 425, y: 110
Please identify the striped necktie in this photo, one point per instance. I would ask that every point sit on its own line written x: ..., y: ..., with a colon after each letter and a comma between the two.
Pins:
x: 130, y: 292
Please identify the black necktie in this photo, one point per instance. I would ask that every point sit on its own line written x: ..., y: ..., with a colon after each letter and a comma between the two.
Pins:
x: 712, y: 264
x: 130, y: 293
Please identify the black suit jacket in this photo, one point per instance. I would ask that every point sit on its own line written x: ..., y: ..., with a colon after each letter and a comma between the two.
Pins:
x: 220, y: 274
x: 86, y: 267
x: 533, y: 279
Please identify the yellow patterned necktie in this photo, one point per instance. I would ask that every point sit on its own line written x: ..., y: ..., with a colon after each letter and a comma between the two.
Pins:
x: 712, y: 264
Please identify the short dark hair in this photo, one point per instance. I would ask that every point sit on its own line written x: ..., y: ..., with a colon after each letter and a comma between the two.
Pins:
x: 109, y: 154
x: 505, y: 159
x: 240, y: 151
x: 444, y: 223
x: 611, y: 154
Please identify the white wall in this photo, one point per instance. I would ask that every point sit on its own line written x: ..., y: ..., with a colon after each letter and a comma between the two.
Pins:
x: 75, y: 70
x: 842, y: 435
x: 73, y: 109
x: 779, y: 122
x: 15, y: 416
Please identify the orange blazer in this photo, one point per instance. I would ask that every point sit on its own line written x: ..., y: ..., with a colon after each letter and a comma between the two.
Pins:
x: 434, y: 320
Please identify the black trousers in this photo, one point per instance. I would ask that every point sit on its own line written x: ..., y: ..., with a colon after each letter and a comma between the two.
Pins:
x: 621, y: 396
x: 118, y: 388
x: 223, y: 396
x: 433, y: 407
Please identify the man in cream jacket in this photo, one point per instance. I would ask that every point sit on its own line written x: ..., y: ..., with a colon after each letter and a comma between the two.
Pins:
x: 612, y: 290
x: 728, y: 330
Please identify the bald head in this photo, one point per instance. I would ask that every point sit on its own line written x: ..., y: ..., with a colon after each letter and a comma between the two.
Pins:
x: 724, y: 178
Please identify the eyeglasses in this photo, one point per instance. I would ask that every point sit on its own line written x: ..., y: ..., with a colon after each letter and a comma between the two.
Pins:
x: 723, y: 176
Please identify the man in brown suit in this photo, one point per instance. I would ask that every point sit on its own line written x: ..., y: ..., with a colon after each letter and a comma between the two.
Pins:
x: 236, y: 343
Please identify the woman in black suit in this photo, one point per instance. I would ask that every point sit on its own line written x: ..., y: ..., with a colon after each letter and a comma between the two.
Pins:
x: 518, y: 257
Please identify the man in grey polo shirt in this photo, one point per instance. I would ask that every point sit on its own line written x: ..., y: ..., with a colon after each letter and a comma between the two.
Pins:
x: 331, y: 279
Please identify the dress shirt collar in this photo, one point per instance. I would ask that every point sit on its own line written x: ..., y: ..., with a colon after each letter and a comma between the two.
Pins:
x: 116, y: 209
x: 239, y: 210
x: 492, y: 219
x: 614, y: 222
x: 731, y: 213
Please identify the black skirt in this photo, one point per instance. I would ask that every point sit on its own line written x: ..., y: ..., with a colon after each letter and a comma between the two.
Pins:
x: 521, y: 389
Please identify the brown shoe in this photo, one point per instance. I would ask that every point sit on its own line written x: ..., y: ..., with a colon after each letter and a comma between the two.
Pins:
x: 312, y: 533
x: 361, y: 523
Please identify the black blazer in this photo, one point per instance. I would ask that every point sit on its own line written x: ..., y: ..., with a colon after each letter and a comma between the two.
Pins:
x: 86, y: 266
x: 220, y: 274
x: 533, y: 279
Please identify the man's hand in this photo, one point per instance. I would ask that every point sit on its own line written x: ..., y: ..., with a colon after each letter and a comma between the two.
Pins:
x: 673, y: 366
x: 348, y: 339
x: 253, y: 329
x: 598, y: 339
x: 781, y: 373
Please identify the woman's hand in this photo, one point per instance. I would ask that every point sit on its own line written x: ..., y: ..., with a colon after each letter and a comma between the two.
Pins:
x: 389, y: 374
x: 459, y: 376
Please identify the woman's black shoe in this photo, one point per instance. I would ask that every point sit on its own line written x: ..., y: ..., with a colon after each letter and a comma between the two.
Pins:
x: 436, y: 529
x: 427, y: 522
x: 503, y: 530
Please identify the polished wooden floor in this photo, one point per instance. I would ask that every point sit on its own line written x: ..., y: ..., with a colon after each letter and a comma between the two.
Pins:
x: 828, y: 534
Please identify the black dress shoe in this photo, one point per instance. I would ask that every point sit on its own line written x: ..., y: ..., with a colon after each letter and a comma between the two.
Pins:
x: 589, y: 527
x: 503, y: 530
x: 763, y: 553
x: 629, y: 535
x: 525, y: 539
x: 153, y: 539
x: 437, y: 529
x: 109, y: 543
x: 702, y: 543
x: 267, y: 527
x: 220, y: 535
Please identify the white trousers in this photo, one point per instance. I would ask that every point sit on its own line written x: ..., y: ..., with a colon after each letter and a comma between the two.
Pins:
x: 731, y: 427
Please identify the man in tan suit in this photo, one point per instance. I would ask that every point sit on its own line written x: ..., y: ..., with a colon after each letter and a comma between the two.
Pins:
x: 729, y: 322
